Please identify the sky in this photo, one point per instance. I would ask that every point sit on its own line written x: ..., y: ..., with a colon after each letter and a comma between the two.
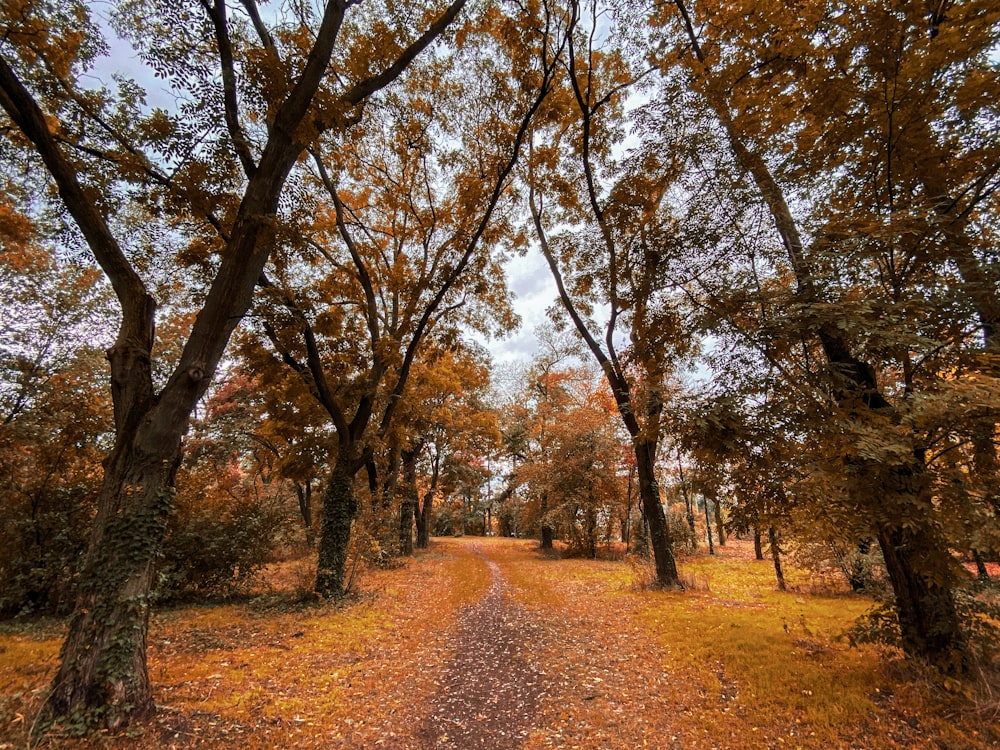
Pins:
x: 534, y: 291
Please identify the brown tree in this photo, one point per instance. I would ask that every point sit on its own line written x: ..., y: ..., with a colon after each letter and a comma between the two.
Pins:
x: 614, y: 258
x: 838, y: 120
x: 408, y: 236
x: 273, y: 93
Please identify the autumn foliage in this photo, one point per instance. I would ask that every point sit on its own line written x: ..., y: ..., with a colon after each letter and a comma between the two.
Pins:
x: 249, y: 287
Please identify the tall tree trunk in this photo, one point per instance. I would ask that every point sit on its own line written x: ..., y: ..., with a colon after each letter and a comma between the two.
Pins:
x: 779, y: 574
x: 339, y: 508
x: 408, y: 503
x: 652, y: 511
x: 547, y: 536
x: 304, y: 492
x: 627, y: 523
x: 920, y: 566
x: 424, y: 520
x: 406, y: 520
x: 758, y: 548
x: 688, y: 505
x: 928, y: 619
x: 708, y: 527
x: 590, y: 516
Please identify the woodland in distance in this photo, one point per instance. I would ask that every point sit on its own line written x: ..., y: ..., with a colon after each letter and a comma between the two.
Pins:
x: 249, y: 278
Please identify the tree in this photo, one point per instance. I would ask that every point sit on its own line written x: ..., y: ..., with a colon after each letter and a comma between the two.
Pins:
x: 614, y: 255
x: 575, y: 476
x: 53, y: 415
x: 528, y: 412
x: 444, y: 422
x: 252, y: 100
x: 408, y: 236
x: 871, y: 243
x: 232, y: 506
x: 55, y: 431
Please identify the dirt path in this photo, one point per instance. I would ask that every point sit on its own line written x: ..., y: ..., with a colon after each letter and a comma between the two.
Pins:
x: 491, y: 688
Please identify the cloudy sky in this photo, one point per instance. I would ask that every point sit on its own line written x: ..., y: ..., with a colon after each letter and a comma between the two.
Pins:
x: 534, y: 291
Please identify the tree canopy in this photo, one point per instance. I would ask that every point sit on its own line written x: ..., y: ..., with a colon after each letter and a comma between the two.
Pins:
x: 772, y: 229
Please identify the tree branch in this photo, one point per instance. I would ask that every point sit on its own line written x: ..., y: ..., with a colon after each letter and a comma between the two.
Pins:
x: 217, y: 12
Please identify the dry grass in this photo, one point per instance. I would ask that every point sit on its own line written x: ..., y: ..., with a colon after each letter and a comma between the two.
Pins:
x: 732, y: 663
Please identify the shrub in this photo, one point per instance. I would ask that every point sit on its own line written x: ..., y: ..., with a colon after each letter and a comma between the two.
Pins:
x: 39, y: 560
x: 680, y: 530
x: 216, y: 548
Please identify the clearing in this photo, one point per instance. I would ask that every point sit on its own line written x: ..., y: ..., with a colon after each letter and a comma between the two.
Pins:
x: 488, y: 643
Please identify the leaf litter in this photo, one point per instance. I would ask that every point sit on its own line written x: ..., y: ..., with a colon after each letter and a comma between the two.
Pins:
x: 489, y: 643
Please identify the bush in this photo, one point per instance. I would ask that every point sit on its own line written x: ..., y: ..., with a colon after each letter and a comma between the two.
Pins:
x: 978, y: 606
x: 680, y: 530
x: 215, y: 549
x: 859, y: 564
x: 39, y: 561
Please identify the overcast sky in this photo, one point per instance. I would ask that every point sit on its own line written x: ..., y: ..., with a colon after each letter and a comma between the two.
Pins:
x: 534, y: 291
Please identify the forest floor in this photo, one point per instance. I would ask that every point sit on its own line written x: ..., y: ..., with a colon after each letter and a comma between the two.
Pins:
x: 489, y: 643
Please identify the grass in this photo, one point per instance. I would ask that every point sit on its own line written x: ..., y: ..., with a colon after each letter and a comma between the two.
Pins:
x: 772, y: 663
x: 729, y: 663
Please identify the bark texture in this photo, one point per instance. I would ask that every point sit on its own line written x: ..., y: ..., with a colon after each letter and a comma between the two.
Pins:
x: 656, y: 519
x: 339, y: 508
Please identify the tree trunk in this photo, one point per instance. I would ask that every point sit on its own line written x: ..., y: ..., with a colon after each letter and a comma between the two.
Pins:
x: 590, y: 517
x: 409, y: 502
x: 627, y: 523
x: 928, y: 620
x: 547, y: 536
x: 546, y: 527
x: 339, y: 509
x: 424, y: 520
x: 406, y: 519
x: 720, y: 532
x: 772, y: 538
x: 688, y: 509
x: 304, y: 492
x: 652, y: 511
x: 708, y: 528
x: 981, y: 572
x: 758, y: 548
x: 102, y: 674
